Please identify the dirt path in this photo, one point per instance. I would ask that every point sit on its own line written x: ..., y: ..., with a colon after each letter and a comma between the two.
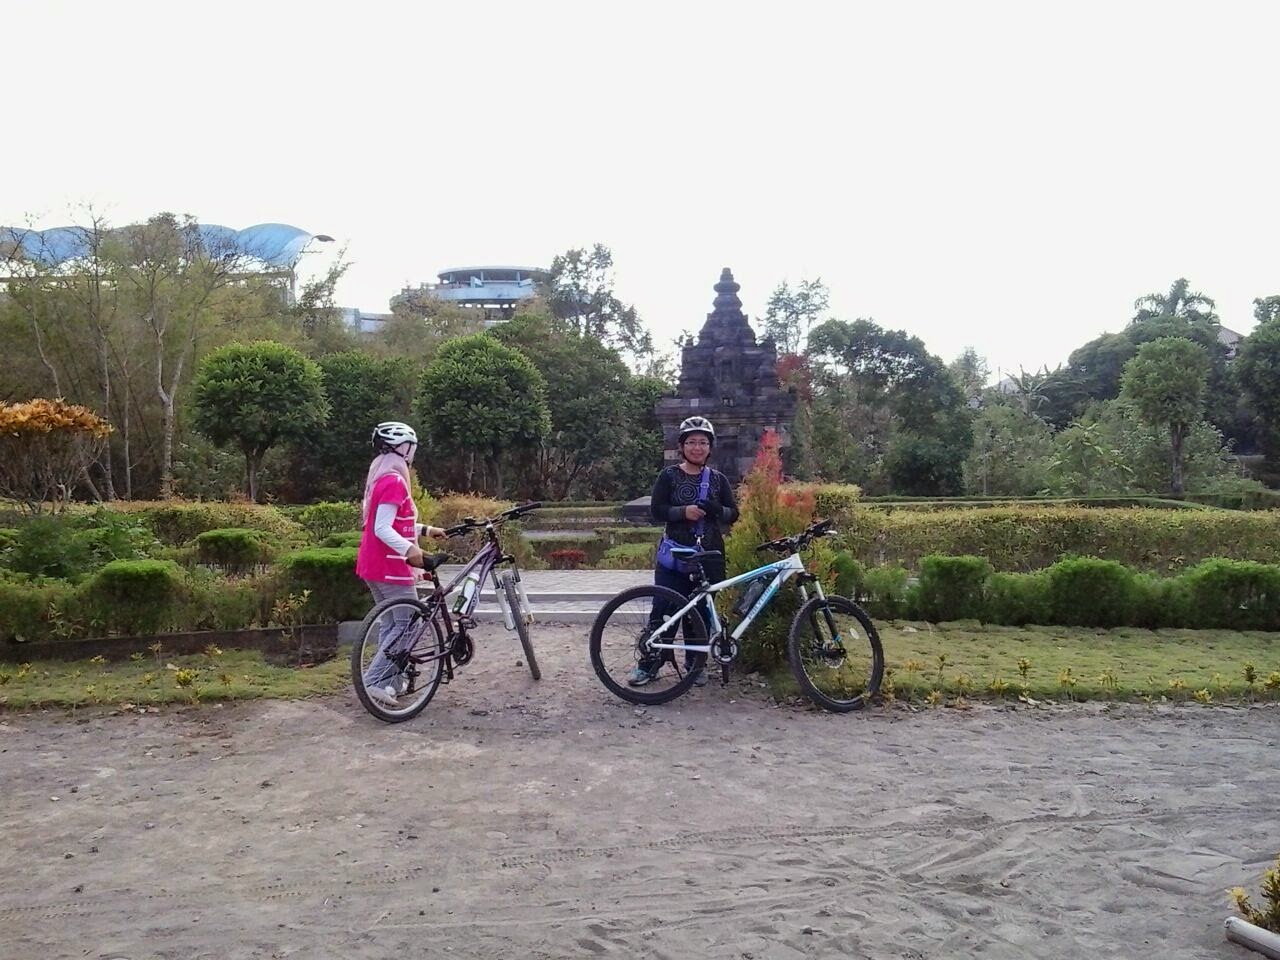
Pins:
x: 522, y: 820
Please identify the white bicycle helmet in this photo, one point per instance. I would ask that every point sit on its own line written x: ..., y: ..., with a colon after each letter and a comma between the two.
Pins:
x: 697, y: 425
x: 391, y: 433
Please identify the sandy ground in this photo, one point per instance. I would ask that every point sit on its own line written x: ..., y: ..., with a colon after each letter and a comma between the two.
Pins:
x: 523, y: 820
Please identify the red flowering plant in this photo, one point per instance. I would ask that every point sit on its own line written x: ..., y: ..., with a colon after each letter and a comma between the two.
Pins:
x: 769, y: 509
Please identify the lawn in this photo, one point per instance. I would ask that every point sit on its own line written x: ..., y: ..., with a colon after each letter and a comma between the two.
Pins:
x: 939, y: 662
x: 151, y: 679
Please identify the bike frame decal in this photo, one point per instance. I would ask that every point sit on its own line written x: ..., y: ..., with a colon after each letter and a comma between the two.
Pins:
x: 783, y: 570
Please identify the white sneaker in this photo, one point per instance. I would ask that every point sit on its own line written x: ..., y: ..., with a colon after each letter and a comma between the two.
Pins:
x: 386, y: 696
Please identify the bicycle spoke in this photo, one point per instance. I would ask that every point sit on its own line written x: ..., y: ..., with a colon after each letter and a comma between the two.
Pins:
x: 836, y: 655
x: 622, y: 650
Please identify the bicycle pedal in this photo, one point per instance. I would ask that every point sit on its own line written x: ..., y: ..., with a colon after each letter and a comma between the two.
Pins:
x: 466, y: 623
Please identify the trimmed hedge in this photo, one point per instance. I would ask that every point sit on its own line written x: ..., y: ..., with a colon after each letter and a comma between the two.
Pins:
x: 329, y: 573
x: 234, y: 548
x: 629, y: 556
x: 951, y: 588
x: 1032, y: 538
x: 1096, y: 503
x: 1080, y: 591
x: 32, y: 610
x: 322, y: 519
x: 134, y: 596
x: 175, y: 522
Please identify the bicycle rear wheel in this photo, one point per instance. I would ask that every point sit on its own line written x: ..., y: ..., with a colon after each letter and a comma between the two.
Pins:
x: 618, y: 645
x: 400, y: 646
x: 507, y: 582
x: 835, y: 654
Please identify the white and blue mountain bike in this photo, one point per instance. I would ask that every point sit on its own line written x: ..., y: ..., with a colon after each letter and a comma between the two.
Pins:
x: 833, y: 647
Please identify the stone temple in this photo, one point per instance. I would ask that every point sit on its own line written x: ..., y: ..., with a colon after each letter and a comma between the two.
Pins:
x: 731, y: 379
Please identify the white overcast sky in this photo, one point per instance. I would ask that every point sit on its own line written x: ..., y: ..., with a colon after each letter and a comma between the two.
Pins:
x: 1004, y: 175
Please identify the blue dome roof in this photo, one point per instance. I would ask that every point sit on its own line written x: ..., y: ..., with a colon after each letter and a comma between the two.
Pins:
x: 275, y: 244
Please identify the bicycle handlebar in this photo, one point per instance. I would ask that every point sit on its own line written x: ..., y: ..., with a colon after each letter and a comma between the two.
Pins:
x: 471, y: 523
x: 798, y: 541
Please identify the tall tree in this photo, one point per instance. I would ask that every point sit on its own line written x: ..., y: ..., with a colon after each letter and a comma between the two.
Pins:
x: 1180, y: 302
x: 255, y: 396
x: 1266, y: 309
x: 588, y: 404
x: 862, y: 365
x: 362, y: 391
x: 1166, y: 383
x: 1011, y: 452
x: 579, y: 291
x: 1257, y: 368
x: 971, y: 372
x: 478, y: 397
x: 790, y: 314
x: 171, y: 273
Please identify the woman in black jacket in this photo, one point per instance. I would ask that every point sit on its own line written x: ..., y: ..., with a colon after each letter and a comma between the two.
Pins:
x: 676, y: 503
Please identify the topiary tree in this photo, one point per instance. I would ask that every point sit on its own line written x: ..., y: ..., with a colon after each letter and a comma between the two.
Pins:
x: 1166, y: 383
x: 362, y: 390
x: 45, y: 448
x: 479, y: 396
x: 255, y: 396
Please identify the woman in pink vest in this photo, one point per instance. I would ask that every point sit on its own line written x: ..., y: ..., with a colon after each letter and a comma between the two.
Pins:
x: 389, y: 544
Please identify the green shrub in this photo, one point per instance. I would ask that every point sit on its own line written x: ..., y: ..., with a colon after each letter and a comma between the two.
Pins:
x: 612, y: 536
x: 8, y: 537
x: 71, y: 546
x: 176, y: 523
x: 951, y: 588
x: 884, y: 591
x: 1022, y: 538
x: 628, y: 556
x: 134, y: 596
x: 329, y: 573
x: 322, y: 519
x: 348, y: 538
x: 850, y: 575
x: 1015, y: 599
x: 1088, y: 592
x: 32, y: 610
x: 234, y: 548
x: 1232, y: 593
x: 223, y: 603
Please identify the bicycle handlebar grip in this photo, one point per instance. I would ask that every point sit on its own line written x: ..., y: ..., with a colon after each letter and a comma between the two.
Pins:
x: 531, y: 505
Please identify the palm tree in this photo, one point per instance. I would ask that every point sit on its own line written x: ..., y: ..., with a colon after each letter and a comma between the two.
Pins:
x: 1179, y: 303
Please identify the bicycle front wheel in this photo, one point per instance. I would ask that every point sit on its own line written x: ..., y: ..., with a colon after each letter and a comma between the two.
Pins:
x: 508, y: 585
x: 397, y: 660
x: 835, y: 654
x: 622, y: 657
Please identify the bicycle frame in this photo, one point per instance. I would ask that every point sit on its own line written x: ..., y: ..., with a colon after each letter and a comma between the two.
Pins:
x: 782, y: 570
x: 486, y: 560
